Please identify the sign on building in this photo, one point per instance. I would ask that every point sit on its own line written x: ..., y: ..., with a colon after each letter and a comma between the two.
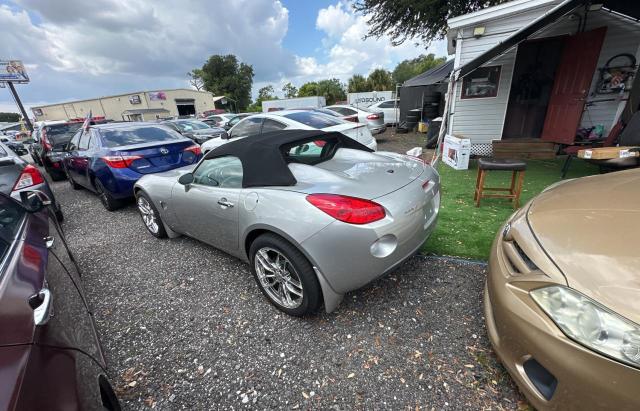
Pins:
x: 13, y: 70
x: 135, y: 99
x: 366, y: 99
x: 157, y: 95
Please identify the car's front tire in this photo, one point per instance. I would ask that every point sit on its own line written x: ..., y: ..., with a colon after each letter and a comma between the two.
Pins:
x: 73, y: 184
x: 284, y: 275
x: 150, y: 215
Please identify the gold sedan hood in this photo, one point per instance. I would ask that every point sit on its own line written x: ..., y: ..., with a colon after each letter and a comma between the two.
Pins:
x: 590, y: 228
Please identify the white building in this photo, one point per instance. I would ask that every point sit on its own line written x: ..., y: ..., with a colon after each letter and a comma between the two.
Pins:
x: 535, y: 71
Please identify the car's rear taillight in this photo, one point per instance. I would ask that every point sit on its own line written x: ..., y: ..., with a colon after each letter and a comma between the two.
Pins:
x: 352, y: 119
x: 350, y: 210
x: 120, y: 161
x: 30, y: 176
x: 45, y: 141
x: 195, y: 149
x: 373, y: 117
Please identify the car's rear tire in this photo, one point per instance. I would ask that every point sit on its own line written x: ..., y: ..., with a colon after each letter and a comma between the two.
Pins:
x: 150, y: 215
x: 281, y: 270
x: 107, y: 200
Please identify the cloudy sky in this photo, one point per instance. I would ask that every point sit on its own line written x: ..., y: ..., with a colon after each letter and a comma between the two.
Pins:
x: 76, y: 49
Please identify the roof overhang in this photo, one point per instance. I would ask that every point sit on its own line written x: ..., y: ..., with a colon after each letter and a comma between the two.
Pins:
x: 626, y: 8
x: 146, y: 111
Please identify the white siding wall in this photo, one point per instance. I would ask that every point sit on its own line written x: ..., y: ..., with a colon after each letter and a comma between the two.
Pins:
x: 482, y: 119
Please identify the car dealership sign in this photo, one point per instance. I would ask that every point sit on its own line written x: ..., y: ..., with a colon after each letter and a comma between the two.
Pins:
x: 13, y: 70
x: 368, y: 98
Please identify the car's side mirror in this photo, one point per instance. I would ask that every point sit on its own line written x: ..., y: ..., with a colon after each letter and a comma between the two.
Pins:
x: 186, y: 179
x: 225, y: 136
x: 34, y: 200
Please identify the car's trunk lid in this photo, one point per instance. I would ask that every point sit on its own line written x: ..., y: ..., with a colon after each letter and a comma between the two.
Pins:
x: 356, y: 131
x: 157, y: 157
x: 590, y: 229
x: 357, y: 173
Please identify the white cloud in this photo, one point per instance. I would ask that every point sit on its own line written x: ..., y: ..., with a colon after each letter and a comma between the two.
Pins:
x: 346, y: 51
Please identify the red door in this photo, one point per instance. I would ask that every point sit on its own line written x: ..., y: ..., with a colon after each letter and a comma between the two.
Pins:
x: 571, y: 85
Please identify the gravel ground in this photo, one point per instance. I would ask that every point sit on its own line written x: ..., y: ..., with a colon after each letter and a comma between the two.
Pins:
x: 184, y: 326
x: 400, y: 143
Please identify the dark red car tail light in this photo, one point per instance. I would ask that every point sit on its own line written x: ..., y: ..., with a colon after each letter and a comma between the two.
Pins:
x: 353, y: 119
x: 45, y: 141
x: 195, y: 149
x: 30, y: 176
x: 347, y: 209
x: 120, y: 161
x: 373, y: 117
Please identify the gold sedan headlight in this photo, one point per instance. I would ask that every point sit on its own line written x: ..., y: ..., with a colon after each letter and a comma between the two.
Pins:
x: 590, y: 324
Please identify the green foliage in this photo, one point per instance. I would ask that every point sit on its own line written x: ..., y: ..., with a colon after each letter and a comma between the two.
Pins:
x: 289, y: 90
x: 224, y: 75
x: 414, y: 19
x: 380, y: 80
x: 308, y: 89
x: 10, y: 117
x: 332, y: 90
x: 407, y: 69
x: 467, y: 231
x: 266, y: 93
x: 358, y: 84
x: 195, y: 79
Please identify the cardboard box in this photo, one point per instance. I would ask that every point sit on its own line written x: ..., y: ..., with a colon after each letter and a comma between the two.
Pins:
x: 456, y: 152
x: 606, y: 153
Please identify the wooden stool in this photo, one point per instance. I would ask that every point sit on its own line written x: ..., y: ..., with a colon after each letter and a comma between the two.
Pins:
x: 517, y: 168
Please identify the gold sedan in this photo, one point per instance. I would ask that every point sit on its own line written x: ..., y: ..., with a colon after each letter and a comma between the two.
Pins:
x: 562, y: 299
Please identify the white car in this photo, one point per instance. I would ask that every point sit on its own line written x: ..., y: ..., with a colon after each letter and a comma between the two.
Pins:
x: 220, y: 120
x: 293, y: 120
x: 373, y: 119
x: 390, y: 109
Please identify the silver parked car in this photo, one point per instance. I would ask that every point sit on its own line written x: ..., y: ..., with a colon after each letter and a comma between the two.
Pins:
x: 373, y: 120
x: 316, y: 214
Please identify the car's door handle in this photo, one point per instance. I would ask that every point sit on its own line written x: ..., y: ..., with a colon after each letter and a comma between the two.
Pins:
x: 49, y: 241
x: 224, y: 203
x: 41, y: 305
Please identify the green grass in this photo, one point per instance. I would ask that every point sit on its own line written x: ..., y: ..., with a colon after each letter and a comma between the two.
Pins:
x: 466, y: 231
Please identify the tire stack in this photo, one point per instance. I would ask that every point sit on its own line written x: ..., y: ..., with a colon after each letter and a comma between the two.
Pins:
x: 431, y: 106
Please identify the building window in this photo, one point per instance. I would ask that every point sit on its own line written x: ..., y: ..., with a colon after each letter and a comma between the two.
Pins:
x: 483, y: 82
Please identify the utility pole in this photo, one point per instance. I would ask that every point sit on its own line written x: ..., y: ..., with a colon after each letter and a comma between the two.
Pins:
x: 19, y: 103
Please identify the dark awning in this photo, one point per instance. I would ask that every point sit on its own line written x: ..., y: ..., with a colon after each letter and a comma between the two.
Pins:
x: 626, y: 7
x: 433, y: 76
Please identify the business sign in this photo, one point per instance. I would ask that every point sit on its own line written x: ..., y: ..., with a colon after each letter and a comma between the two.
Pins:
x: 135, y: 99
x: 37, y: 112
x: 367, y: 99
x: 13, y: 70
x: 157, y: 95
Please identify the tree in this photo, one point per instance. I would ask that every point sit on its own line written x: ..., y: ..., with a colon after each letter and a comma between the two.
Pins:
x: 266, y: 93
x: 358, y: 84
x: 332, y: 90
x: 380, y: 80
x: 10, y: 117
x: 223, y: 75
x: 414, y: 19
x: 289, y: 90
x: 407, y: 69
x: 308, y: 89
x: 195, y: 79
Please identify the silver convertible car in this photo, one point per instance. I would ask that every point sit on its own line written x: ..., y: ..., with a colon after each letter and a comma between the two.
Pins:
x: 315, y: 214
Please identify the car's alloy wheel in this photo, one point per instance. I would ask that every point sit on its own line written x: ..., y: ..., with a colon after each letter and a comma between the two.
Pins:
x: 148, y: 215
x: 278, y: 278
x: 284, y: 275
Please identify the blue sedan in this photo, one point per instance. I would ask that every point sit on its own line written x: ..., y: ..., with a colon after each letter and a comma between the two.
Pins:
x: 109, y: 158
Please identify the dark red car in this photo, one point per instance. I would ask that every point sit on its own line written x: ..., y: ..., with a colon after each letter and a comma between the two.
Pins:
x: 50, y: 356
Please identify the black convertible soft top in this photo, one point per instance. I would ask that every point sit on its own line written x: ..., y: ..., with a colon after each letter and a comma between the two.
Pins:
x: 264, y: 160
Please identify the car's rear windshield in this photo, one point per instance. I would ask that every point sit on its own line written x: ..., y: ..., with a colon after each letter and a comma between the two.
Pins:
x: 314, y: 119
x: 61, y: 133
x: 139, y: 135
x: 191, y: 125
